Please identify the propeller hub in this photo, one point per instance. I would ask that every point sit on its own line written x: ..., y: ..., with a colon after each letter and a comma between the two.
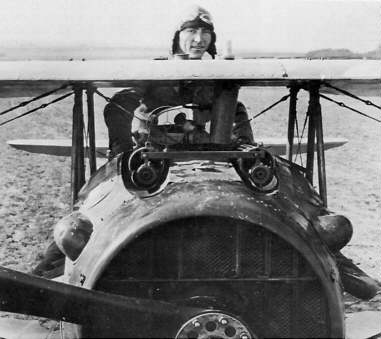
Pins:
x: 214, y: 325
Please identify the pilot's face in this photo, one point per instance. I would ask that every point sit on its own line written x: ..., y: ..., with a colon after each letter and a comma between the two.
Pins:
x: 195, y: 41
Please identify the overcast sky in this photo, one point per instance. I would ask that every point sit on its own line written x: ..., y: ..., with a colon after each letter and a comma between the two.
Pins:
x: 263, y: 25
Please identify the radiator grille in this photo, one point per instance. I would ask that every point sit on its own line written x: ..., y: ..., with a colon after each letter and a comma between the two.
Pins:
x: 252, y: 253
x: 281, y: 258
x: 208, y: 253
x: 279, y: 310
x: 311, y: 310
x: 259, y: 275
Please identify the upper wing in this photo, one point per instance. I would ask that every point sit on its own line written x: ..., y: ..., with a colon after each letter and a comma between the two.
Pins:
x: 27, y: 78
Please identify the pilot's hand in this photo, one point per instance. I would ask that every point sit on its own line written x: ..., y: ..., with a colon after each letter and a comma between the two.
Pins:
x: 139, y: 122
x: 188, y: 126
x: 141, y: 112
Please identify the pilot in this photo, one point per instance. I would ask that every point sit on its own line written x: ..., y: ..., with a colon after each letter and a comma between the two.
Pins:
x: 193, y: 38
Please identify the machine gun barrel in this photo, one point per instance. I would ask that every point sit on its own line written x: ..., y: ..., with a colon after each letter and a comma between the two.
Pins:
x: 26, y: 294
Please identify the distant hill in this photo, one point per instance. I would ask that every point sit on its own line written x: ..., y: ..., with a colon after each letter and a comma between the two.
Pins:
x: 342, y: 53
x: 376, y: 54
x: 330, y: 53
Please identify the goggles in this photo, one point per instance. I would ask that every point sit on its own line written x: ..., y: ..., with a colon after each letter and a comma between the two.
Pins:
x: 197, y: 17
x: 196, y: 23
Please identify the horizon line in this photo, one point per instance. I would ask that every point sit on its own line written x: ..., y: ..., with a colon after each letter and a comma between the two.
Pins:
x: 159, y: 48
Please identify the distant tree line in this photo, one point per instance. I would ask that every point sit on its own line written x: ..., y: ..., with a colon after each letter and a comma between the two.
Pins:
x: 343, y: 53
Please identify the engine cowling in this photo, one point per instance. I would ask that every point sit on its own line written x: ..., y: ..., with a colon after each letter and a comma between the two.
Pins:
x: 234, y: 268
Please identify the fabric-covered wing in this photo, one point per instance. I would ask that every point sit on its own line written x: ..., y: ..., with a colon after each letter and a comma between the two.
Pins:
x: 27, y: 78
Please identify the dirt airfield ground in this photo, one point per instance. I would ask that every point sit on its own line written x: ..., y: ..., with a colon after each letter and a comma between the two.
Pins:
x: 36, y: 188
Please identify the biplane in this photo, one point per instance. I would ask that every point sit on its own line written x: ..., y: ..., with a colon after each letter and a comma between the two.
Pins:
x: 161, y: 245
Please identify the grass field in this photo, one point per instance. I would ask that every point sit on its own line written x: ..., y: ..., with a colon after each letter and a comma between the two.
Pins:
x: 36, y: 188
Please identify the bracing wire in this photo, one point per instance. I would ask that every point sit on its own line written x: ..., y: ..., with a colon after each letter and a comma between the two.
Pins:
x: 341, y: 104
x: 24, y: 103
x: 109, y: 100
x: 271, y: 106
x: 284, y: 98
x: 298, y: 150
x: 37, y: 108
x: 299, y: 140
x: 366, y: 102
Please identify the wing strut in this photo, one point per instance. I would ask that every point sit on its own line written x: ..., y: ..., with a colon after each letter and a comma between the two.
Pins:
x: 77, y: 151
x: 91, y: 129
x: 314, y: 93
x: 294, y: 89
x: 310, y: 143
x: 315, y: 128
